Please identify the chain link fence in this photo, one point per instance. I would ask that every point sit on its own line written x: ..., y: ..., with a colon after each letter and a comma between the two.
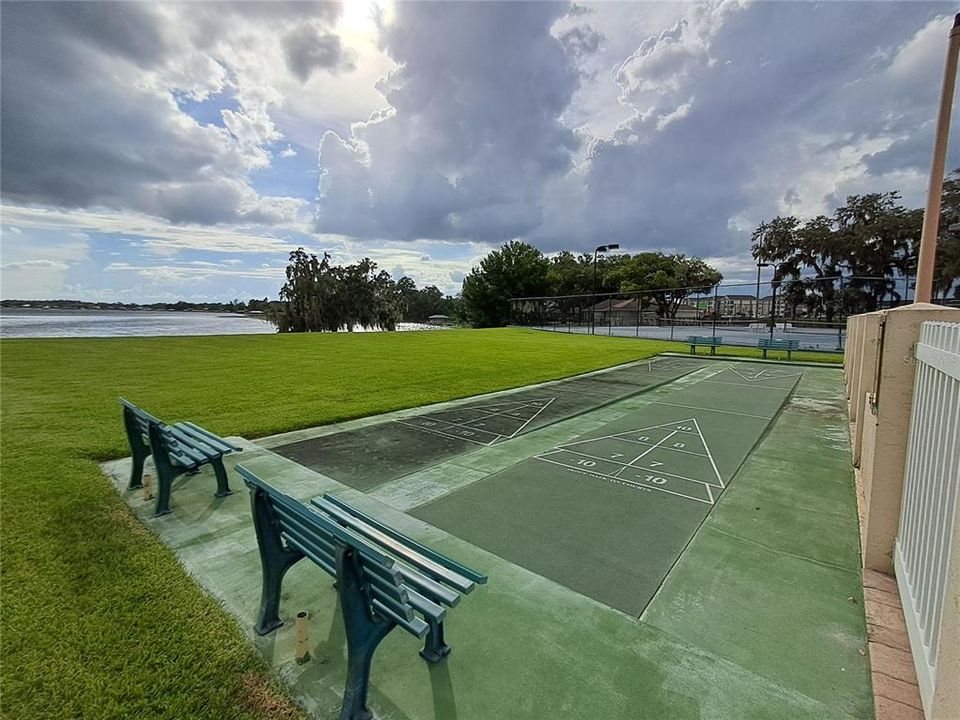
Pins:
x: 812, y: 311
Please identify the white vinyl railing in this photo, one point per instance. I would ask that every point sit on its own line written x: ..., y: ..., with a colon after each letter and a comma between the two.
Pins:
x: 929, y: 507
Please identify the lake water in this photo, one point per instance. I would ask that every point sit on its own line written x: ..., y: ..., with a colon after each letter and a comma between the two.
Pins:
x: 38, y: 323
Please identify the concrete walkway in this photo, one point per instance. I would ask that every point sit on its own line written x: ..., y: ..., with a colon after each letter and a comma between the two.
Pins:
x: 762, y: 616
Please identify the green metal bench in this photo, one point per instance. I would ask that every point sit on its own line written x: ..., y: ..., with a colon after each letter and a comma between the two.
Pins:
x: 383, y: 578
x: 767, y: 344
x: 177, y: 450
x: 704, y: 340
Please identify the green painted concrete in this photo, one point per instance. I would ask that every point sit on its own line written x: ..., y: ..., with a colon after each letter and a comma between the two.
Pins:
x: 754, y: 622
x: 779, y: 559
x: 608, y: 513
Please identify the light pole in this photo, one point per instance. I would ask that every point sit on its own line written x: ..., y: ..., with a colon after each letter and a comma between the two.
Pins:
x: 756, y: 312
x: 923, y: 289
x: 773, y: 304
x: 593, y: 304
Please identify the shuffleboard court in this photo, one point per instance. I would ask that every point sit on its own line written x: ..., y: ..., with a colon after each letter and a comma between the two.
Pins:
x: 609, y: 513
x: 370, y: 456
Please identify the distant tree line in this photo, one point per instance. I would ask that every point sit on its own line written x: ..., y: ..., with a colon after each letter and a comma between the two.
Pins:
x: 234, y: 306
x: 866, y: 251
x: 321, y: 297
x: 520, y: 270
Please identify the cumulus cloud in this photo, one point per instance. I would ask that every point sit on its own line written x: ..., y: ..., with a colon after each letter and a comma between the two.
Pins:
x: 740, y: 112
x: 307, y: 48
x: 91, y: 105
x: 472, y: 129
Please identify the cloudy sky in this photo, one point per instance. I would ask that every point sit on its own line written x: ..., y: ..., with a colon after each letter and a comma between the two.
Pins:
x: 180, y: 151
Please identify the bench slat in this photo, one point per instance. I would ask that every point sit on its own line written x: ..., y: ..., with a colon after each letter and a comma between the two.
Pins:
x: 302, y: 520
x: 200, y: 439
x: 203, y: 431
x: 428, y: 586
x: 174, y: 444
x: 196, y: 447
x: 388, y: 578
x: 448, y: 563
x: 284, y: 503
x: 385, y: 578
x: 416, y: 627
x: 140, y: 413
x: 379, y: 594
x: 397, y: 546
x: 426, y: 607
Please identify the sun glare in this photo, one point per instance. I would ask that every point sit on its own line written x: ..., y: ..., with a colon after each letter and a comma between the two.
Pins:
x: 359, y: 17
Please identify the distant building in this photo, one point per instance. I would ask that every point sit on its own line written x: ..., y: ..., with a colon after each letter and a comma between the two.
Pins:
x: 729, y: 306
x: 439, y: 320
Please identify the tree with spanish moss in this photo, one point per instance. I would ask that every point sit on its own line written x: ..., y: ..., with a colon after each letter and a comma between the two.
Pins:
x: 320, y: 297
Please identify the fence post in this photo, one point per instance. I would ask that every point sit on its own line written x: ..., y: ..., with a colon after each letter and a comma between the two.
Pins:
x: 716, y: 306
x: 638, y: 315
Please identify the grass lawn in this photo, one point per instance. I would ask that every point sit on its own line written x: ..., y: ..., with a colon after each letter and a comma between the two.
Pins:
x: 98, y: 618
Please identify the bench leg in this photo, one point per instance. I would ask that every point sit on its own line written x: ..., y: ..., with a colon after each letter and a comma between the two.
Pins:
x: 138, y: 449
x: 223, y: 487
x: 364, y: 634
x: 166, y: 472
x: 434, y: 647
x: 136, y: 472
x: 275, y: 560
x: 164, y: 486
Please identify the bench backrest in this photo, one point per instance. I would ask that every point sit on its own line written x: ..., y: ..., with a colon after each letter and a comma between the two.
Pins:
x: 187, y: 444
x: 704, y: 340
x: 395, y: 590
x: 778, y: 343
x: 140, y: 416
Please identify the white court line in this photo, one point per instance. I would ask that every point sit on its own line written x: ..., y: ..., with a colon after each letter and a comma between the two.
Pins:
x: 757, y: 376
x: 709, y: 455
x: 448, y: 435
x: 623, y: 466
x: 703, y: 409
x: 663, y: 426
x: 627, y: 483
x: 658, y: 471
x: 647, y: 452
x: 752, y: 385
x: 640, y: 442
x: 532, y: 418
x: 434, y: 418
x: 489, y: 414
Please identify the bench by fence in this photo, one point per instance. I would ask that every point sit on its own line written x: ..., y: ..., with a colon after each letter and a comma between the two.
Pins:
x: 704, y: 340
x: 176, y: 449
x: 383, y: 578
x: 767, y: 344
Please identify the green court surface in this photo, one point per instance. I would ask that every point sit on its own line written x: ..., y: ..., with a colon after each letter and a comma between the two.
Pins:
x: 609, y: 513
x: 674, y: 540
x: 376, y: 454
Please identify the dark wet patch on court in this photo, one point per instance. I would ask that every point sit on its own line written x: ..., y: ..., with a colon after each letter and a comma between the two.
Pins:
x: 371, y: 456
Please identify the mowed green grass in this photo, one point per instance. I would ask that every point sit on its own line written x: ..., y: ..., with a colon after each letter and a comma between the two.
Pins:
x: 98, y: 620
